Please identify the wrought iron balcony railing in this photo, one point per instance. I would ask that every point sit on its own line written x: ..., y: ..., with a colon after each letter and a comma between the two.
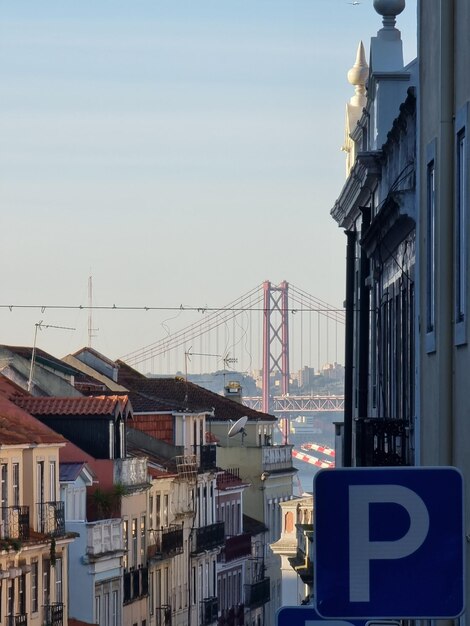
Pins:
x: 163, y: 615
x: 258, y: 593
x: 234, y: 616
x: 135, y: 584
x: 20, y: 619
x: 53, y: 614
x: 14, y: 522
x: 51, y: 518
x: 208, y: 537
x: 209, y: 611
x: 168, y: 542
x: 381, y: 442
x: 236, y: 547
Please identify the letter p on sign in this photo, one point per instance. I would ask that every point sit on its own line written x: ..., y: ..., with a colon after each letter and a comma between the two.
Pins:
x: 389, y: 543
x: 362, y: 550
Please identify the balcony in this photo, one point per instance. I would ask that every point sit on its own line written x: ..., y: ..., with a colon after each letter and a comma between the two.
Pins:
x: 381, y: 442
x: 20, y: 619
x: 236, y: 547
x: 130, y: 472
x: 277, y: 458
x: 207, y: 457
x: 14, y: 522
x: 53, y: 614
x: 208, y: 537
x: 234, y: 616
x: 135, y: 584
x: 168, y: 542
x: 50, y: 518
x: 258, y: 593
x: 104, y: 537
x: 209, y: 611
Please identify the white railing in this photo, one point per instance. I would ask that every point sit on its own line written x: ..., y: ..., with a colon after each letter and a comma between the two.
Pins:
x: 104, y: 536
x: 277, y: 458
x: 132, y: 471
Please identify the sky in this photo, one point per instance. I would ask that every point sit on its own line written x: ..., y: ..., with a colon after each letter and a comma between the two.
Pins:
x: 179, y: 152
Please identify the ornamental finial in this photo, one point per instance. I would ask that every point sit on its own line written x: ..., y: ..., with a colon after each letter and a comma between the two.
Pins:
x: 358, y: 75
x: 389, y: 9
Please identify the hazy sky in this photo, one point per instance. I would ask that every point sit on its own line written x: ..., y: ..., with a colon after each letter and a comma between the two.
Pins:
x: 180, y: 151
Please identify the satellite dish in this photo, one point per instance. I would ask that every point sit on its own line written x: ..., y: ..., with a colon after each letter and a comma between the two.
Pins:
x: 238, y: 427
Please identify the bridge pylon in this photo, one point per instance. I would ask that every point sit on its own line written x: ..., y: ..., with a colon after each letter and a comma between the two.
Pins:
x: 275, y: 339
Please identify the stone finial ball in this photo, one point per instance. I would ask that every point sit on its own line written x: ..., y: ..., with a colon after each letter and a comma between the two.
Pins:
x: 389, y: 8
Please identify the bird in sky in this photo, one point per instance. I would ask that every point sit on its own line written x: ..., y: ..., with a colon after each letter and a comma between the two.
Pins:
x: 355, y: 3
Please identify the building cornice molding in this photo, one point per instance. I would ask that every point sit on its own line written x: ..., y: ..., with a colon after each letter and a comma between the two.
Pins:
x: 358, y: 188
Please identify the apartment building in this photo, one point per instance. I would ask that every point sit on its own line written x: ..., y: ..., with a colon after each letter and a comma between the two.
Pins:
x: 33, y: 538
x: 444, y: 263
x: 96, y: 431
x: 377, y: 210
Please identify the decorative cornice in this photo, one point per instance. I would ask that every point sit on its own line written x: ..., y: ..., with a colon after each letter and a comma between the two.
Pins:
x: 358, y: 188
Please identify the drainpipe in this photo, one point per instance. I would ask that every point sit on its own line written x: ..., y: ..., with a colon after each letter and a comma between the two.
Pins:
x: 445, y: 227
x: 349, y: 351
x: 364, y: 315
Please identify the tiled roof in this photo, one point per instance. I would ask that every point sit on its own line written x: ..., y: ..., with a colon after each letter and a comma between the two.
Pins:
x: 18, y: 427
x: 68, y: 472
x: 181, y: 395
x: 9, y: 389
x: 97, y: 405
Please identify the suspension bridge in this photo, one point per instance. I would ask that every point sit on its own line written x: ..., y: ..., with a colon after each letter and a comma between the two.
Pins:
x: 279, y: 334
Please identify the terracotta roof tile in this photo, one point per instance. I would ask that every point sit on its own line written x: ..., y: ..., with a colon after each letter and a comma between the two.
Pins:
x: 18, y: 427
x: 180, y: 395
x: 96, y: 405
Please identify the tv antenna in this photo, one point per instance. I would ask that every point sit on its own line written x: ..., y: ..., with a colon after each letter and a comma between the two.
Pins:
x: 238, y: 427
x: 91, y: 330
x: 40, y: 326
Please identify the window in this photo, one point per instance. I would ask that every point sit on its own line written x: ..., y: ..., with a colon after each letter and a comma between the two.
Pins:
x: 165, y: 510
x: 158, y: 521
x: 460, y: 225
x: 151, y: 601
x: 98, y: 609
x: 431, y: 247
x: 142, y: 538
x: 151, y: 512
x: 460, y: 217
x: 34, y: 587
x: 125, y: 533
x: 115, y: 614
x: 106, y: 609
x: 4, y: 494
x: 58, y: 580
x: 21, y: 594
x: 16, y: 484
x: 52, y: 481
x: 134, y: 542
x: 46, y: 582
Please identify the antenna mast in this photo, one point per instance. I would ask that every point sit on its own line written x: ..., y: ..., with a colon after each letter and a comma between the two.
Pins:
x: 91, y: 330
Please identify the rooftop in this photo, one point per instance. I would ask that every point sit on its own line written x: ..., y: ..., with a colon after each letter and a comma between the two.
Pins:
x: 177, y: 394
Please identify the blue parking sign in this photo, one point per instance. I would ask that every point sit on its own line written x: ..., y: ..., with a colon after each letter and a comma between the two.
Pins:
x: 308, y: 616
x: 389, y: 543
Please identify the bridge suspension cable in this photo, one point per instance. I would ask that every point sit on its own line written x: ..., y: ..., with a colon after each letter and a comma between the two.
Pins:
x: 210, y: 322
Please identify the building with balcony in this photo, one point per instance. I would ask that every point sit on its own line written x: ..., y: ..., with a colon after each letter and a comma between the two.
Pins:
x: 235, y: 551
x: 377, y: 210
x: 34, y: 542
x: 95, y: 557
x: 95, y: 427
